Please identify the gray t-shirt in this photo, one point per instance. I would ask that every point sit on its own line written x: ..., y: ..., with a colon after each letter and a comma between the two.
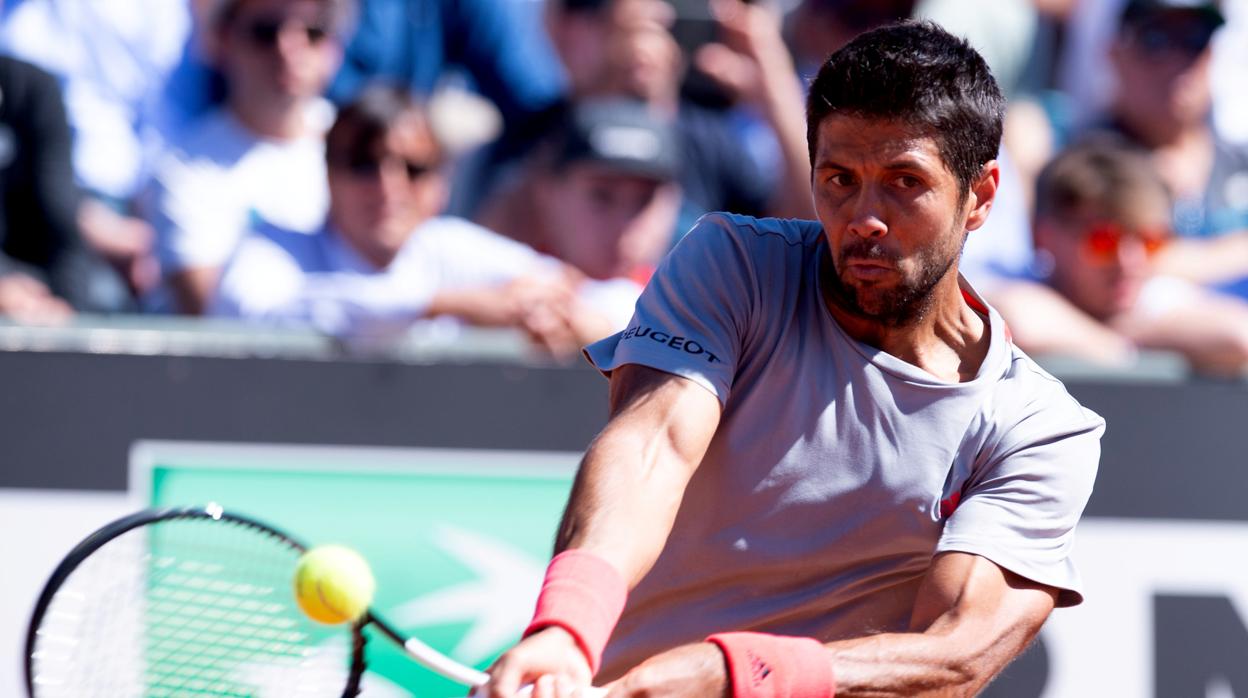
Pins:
x: 837, y: 470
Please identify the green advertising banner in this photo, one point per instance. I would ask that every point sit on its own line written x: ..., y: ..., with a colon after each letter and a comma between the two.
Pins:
x: 458, y: 540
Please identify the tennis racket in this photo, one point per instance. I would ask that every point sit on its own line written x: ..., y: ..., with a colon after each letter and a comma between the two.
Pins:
x: 196, y: 601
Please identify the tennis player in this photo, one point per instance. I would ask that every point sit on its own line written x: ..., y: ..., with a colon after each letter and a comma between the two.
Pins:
x: 827, y: 471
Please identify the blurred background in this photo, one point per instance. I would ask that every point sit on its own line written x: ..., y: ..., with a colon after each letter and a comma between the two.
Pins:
x: 370, y: 236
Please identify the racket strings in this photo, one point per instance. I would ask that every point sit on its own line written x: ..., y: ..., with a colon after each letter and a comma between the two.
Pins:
x: 187, y: 607
x: 213, y: 612
x: 94, y: 615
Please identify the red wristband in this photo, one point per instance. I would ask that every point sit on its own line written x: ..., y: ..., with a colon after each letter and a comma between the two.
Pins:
x: 776, y: 666
x: 584, y: 595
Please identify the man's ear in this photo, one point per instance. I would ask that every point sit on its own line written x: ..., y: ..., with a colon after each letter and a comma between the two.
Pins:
x: 983, y: 193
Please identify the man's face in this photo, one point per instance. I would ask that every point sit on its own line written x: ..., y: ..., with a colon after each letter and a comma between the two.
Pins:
x: 1099, y: 263
x: 606, y: 223
x: 624, y: 48
x: 382, y: 191
x: 279, y: 49
x: 893, y: 215
x: 1162, y: 67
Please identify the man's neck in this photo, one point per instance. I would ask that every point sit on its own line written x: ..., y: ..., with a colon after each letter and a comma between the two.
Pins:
x: 285, y: 120
x: 376, y: 257
x: 1187, y: 162
x: 948, y: 339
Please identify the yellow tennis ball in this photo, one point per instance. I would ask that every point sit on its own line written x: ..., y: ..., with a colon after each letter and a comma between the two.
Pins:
x: 333, y: 584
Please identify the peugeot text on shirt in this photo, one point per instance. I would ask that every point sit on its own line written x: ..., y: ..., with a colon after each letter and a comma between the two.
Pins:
x: 689, y: 346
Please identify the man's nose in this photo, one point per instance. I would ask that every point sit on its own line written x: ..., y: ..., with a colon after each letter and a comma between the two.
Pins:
x: 1132, y: 253
x: 867, y: 215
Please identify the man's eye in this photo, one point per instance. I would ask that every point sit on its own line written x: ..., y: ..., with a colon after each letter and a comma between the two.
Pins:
x: 908, y: 182
x: 840, y: 179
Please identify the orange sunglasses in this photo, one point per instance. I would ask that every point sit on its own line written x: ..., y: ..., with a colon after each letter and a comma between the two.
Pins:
x: 1103, y: 241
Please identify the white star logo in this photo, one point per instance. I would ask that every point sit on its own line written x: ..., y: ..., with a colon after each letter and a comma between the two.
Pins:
x: 498, y: 601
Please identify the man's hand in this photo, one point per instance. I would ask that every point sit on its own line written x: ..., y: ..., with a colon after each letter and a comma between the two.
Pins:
x: 751, y: 53
x: 752, y: 62
x: 505, y: 305
x: 643, y: 59
x: 125, y: 241
x: 688, y: 671
x: 549, y: 659
x: 27, y: 300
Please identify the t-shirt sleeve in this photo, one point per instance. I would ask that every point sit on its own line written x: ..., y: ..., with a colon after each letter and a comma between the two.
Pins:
x: 691, y: 319
x: 1020, y: 511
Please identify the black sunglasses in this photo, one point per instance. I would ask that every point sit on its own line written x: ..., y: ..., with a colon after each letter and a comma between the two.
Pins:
x: 371, y: 167
x: 1187, y: 38
x: 265, y: 32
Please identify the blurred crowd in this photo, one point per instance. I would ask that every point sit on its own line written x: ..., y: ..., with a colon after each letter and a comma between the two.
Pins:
x: 365, y: 166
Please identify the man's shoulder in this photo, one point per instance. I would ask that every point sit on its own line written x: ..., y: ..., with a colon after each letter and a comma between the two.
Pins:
x: 214, y: 137
x: 1028, y: 395
x: 456, y: 232
x: 759, y: 248
x: 761, y: 233
x: 303, y: 250
x: 1236, y: 152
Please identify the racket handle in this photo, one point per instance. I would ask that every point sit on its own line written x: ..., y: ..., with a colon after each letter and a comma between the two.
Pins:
x: 527, y: 690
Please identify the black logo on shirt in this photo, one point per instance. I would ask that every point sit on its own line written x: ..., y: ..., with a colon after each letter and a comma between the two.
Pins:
x: 689, y: 346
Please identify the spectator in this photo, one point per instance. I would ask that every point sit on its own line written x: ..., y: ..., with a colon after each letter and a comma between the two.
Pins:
x: 258, y: 158
x: 112, y: 59
x: 39, y: 247
x: 816, y: 28
x: 415, y: 42
x: 602, y: 198
x: 752, y: 65
x: 1161, y: 59
x: 1085, y: 77
x: 1102, y: 216
x: 623, y: 48
x: 384, y: 259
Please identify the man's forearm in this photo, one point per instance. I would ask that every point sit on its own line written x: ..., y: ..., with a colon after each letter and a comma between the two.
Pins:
x: 971, y: 618
x: 1207, y: 260
x: 920, y: 664
x: 621, y: 510
x: 783, y: 106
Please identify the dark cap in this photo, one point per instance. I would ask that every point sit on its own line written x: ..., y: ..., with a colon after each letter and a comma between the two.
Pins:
x: 1166, y: 26
x: 581, y: 5
x: 621, y: 135
x: 1139, y: 11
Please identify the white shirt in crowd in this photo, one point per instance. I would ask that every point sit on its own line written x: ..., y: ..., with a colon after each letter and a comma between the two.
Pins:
x: 223, y: 180
x: 318, y: 280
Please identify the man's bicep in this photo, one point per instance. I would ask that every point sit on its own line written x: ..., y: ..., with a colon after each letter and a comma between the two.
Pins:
x: 974, y: 602
x: 677, y: 407
x: 634, y: 474
x: 968, y: 584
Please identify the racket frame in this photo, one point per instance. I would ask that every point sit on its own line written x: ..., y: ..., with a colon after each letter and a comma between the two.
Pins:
x: 418, y: 651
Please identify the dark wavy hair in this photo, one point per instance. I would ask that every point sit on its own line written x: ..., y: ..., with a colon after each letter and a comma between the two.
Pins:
x: 341, y: 14
x: 916, y: 73
x: 1100, y: 176
x: 378, y: 109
